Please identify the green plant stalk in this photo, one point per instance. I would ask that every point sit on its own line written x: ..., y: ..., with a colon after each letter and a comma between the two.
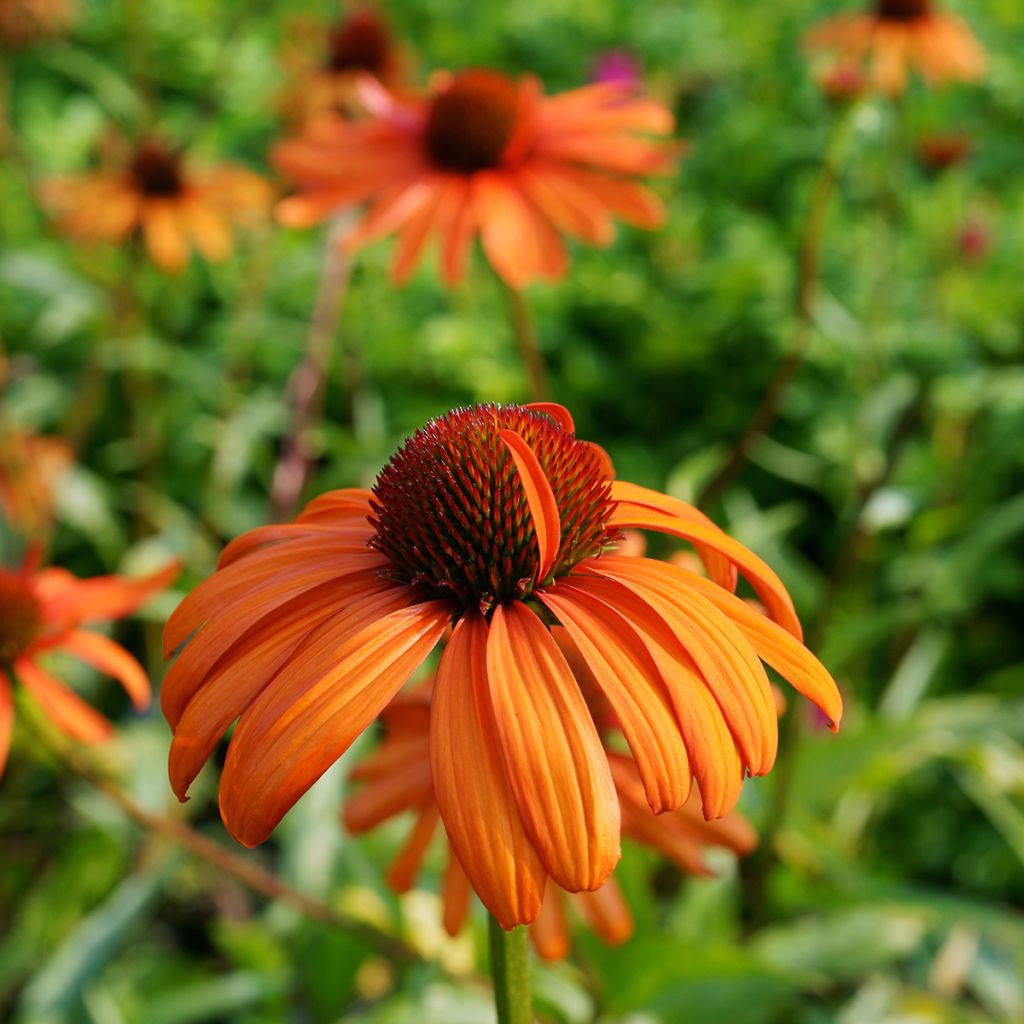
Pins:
x: 510, y: 972
x: 526, y: 340
x: 812, y: 238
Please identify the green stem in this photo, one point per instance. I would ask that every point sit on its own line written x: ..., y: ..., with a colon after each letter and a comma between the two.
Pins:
x: 510, y: 970
x: 526, y: 339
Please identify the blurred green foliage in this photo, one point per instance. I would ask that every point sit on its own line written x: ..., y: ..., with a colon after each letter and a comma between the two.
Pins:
x: 888, y: 496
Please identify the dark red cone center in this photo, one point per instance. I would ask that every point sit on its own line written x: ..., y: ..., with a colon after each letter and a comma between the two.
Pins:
x: 451, y: 513
x: 472, y: 121
x: 361, y: 42
x: 902, y: 10
x: 156, y: 170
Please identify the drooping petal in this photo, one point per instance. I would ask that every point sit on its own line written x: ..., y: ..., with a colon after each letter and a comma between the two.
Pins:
x: 63, y: 706
x: 258, y: 605
x: 204, y: 710
x: 767, y: 585
x: 726, y: 661
x: 557, y: 412
x: 354, y: 531
x: 481, y: 817
x: 606, y: 912
x: 774, y: 645
x: 629, y: 677
x: 401, y: 875
x: 553, y: 756
x: 550, y: 932
x: 455, y: 896
x: 113, y: 660
x: 302, y: 722
x: 165, y: 235
x: 719, y: 568
x: 547, y: 526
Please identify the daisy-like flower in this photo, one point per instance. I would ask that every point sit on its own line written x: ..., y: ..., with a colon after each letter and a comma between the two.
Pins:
x: 483, y: 154
x: 325, y: 63
x: 29, y: 468
x: 155, y: 193
x: 44, y: 612
x: 397, y: 779
x: 898, y: 36
x: 497, y: 521
x: 24, y: 21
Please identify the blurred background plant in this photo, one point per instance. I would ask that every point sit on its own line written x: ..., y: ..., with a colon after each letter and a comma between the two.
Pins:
x: 887, y: 491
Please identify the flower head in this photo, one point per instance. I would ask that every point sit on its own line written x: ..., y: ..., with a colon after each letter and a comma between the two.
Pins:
x: 44, y: 612
x: 29, y: 468
x: 496, y: 521
x: 898, y: 36
x: 396, y: 778
x: 155, y: 193
x: 24, y: 21
x: 939, y: 153
x: 487, y: 155
x: 324, y: 63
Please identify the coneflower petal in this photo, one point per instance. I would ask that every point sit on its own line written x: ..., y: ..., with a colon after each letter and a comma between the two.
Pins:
x: 629, y: 677
x: 65, y: 597
x: 476, y: 799
x: 278, y: 573
x: 354, y: 532
x: 111, y: 659
x: 164, y: 234
x: 455, y: 896
x: 63, y: 706
x: 391, y: 794
x: 547, y: 526
x: 557, y: 412
x: 724, y: 658
x: 342, y: 503
x: 553, y: 755
x: 719, y: 567
x: 203, y: 712
x: 406, y: 866
x: 329, y: 692
x: 766, y: 584
x: 550, y: 932
x: 794, y: 662
x: 606, y: 913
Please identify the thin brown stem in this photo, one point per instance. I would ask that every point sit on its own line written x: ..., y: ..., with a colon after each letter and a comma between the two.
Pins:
x: 812, y: 237
x: 308, y: 383
x: 242, y: 870
x: 526, y: 340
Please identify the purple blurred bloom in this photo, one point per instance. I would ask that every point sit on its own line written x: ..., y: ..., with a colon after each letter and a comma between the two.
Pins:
x: 618, y: 66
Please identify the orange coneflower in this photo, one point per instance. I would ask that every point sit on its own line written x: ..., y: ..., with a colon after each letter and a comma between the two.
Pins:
x: 397, y: 779
x: 29, y: 468
x: 42, y: 613
x: 157, y: 194
x: 900, y: 35
x: 483, y: 154
x: 499, y: 521
x: 324, y: 63
x: 23, y: 21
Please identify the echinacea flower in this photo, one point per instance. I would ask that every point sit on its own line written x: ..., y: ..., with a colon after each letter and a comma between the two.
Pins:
x: 396, y: 779
x: 497, y: 521
x: 487, y: 155
x: 939, y: 153
x: 42, y: 613
x: 24, y: 21
x: 900, y: 35
x: 324, y: 63
x: 158, y: 195
x: 29, y: 467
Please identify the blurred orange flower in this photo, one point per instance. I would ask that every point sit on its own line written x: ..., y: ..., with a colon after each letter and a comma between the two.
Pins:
x: 483, y: 154
x: 43, y: 612
x: 397, y: 778
x: 901, y: 35
x: 23, y: 21
x: 324, y: 63
x: 154, y: 192
x: 29, y: 468
x: 500, y: 519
